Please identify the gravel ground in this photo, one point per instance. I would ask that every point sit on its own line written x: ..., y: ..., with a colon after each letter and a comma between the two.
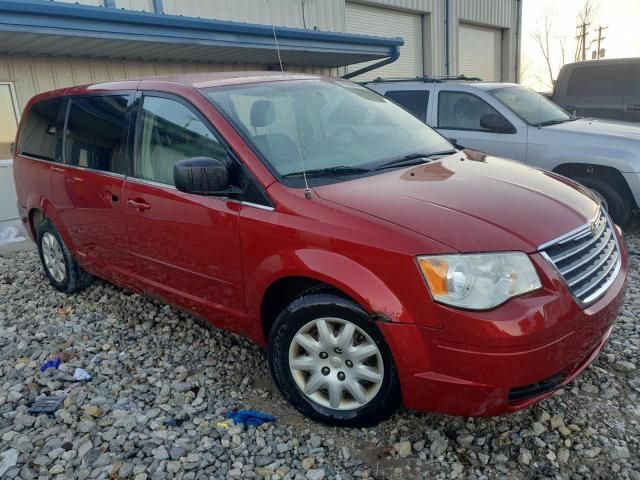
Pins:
x: 163, y: 384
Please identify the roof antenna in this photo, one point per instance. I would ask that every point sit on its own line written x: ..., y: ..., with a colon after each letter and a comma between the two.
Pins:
x: 307, y: 190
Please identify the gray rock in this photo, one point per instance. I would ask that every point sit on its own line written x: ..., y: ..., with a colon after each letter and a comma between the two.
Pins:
x: 316, y: 474
x: 403, y: 449
x: 619, y: 453
x: 525, y: 456
x: 624, y: 367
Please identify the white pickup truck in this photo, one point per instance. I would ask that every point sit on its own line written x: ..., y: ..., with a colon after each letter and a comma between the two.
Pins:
x: 512, y: 121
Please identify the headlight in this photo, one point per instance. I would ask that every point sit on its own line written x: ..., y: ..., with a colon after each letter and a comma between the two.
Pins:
x: 478, y: 281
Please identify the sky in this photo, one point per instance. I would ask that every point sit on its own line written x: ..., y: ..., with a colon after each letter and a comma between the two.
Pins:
x: 622, y: 38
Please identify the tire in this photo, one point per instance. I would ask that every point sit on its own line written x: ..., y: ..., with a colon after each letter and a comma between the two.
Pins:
x: 62, y: 270
x: 321, y: 370
x: 615, y: 202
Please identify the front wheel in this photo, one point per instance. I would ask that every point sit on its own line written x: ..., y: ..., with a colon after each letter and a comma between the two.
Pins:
x: 331, y: 362
x: 615, y: 202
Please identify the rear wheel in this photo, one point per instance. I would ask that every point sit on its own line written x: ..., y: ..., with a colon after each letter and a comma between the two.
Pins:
x: 616, y: 203
x: 62, y: 270
x: 331, y: 362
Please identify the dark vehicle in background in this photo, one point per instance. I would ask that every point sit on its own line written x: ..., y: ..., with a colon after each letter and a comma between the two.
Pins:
x: 600, y: 88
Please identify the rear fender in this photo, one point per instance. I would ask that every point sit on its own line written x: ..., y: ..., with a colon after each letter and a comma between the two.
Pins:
x: 37, y: 201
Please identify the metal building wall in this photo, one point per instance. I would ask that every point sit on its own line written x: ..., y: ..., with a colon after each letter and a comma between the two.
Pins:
x: 320, y: 14
x: 330, y: 15
x: 143, y: 5
x: 32, y: 75
x: 491, y: 13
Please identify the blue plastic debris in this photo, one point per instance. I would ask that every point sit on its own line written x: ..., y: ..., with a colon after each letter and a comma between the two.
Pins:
x: 51, y: 364
x: 250, y: 417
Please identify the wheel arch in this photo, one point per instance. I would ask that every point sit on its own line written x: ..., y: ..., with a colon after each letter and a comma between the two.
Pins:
x: 322, y: 270
x: 610, y: 174
x: 39, y: 208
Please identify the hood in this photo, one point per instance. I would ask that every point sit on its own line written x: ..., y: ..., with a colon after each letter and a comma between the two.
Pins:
x: 597, y: 126
x: 471, y: 202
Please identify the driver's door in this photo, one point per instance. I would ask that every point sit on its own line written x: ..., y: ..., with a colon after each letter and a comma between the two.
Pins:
x: 458, y: 116
x: 186, y: 247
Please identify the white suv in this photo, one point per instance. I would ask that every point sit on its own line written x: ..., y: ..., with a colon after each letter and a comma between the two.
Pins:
x: 512, y: 121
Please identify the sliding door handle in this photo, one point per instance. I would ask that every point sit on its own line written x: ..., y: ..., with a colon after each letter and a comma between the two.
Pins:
x: 138, y: 203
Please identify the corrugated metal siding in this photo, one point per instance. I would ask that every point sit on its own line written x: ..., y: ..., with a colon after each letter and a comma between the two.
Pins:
x: 143, y: 5
x: 32, y: 75
x: 321, y: 14
x: 95, y: 3
x: 490, y: 12
x: 416, y: 5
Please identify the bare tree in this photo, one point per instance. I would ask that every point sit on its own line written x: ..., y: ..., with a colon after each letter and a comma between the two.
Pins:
x: 542, y: 35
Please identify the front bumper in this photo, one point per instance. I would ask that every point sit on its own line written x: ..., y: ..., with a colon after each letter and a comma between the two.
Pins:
x: 501, y: 361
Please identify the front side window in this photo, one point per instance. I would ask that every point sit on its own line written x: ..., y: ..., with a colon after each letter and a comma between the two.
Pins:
x: 328, y: 124
x: 462, y: 111
x: 95, y: 133
x: 38, y: 136
x: 530, y: 106
x: 414, y: 101
x: 169, y: 131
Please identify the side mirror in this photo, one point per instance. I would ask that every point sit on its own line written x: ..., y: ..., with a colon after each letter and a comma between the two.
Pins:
x: 496, y: 123
x: 202, y: 176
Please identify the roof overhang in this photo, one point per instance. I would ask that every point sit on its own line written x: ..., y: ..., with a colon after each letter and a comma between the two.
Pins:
x: 46, y: 28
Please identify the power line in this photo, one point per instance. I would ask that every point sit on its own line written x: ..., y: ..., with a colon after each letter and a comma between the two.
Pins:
x: 599, y: 53
x: 581, y: 37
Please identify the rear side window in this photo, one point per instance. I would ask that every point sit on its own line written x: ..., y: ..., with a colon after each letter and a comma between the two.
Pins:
x: 600, y: 80
x: 38, y: 137
x: 414, y: 101
x: 95, y: 133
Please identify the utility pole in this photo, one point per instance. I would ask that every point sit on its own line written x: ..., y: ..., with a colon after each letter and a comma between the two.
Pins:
x: 582, y: 41
x: 599, y: 51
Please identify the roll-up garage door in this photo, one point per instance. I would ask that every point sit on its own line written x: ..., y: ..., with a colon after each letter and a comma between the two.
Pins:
x: 384, y: 22
x: 480, y: 52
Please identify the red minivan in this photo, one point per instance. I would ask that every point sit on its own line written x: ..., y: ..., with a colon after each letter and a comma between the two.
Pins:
x: 377, y: 263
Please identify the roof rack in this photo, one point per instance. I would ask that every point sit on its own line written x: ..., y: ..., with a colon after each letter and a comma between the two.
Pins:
x: 426, y: 79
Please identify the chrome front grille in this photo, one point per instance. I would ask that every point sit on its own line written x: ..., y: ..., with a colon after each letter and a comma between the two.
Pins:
x: 588, y: 258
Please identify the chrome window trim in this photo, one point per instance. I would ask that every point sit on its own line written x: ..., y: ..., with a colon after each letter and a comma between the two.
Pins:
x: 145, y: 182
x: 173, y: 188
x: 76, y: 167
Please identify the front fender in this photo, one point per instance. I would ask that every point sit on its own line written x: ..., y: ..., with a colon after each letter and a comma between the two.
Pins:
x: 334, y: 269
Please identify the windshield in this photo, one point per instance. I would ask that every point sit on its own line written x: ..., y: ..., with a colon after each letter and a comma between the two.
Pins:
x: 530, y: 106
x: 338, y: 127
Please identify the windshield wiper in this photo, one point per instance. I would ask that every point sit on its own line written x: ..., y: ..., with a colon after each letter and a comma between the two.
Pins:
x: 556, y: 122
x: 327, y: 172
x: 413, y: 159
